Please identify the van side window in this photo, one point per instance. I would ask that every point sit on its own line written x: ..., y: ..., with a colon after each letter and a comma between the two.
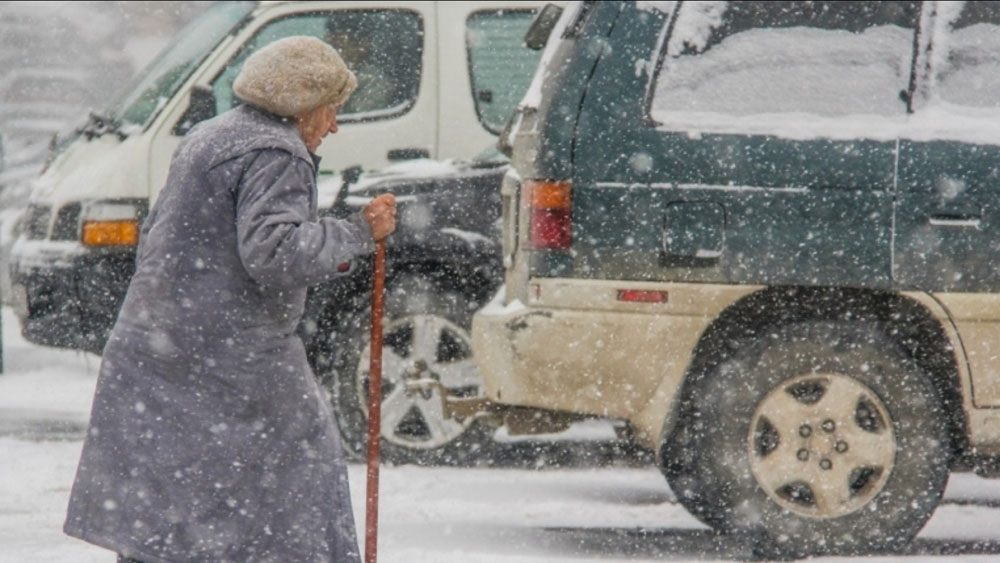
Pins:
x: 829, y: 59
x: 966, y: 59
x: 500, y: 65
x: 384, y: 49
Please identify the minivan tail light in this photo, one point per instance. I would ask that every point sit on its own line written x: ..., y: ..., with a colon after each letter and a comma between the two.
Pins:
x: 550, y: 206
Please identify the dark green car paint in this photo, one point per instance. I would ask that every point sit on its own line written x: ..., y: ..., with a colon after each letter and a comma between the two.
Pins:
x: 660, y: 205
x: 948, y: 219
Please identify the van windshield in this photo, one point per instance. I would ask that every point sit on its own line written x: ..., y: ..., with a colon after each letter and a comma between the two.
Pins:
x: 160, y: 80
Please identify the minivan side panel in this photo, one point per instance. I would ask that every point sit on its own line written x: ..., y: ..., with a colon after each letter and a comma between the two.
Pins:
x: 546, y: 354
x: 976, y: 318
x: 970, y: 323
x: 711, y: 206
x: 947, y: 217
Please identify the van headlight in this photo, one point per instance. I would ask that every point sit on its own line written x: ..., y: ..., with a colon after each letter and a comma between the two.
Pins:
x: 105, y: 223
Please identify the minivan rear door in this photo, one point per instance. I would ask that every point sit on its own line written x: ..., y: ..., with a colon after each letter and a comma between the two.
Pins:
x: 948, y: 212
x: 948, y: 217
x: 757, y: 144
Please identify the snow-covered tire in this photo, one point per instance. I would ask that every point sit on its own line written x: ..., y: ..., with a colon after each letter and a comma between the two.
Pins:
x: 818, y: 438
x: 425, y: 321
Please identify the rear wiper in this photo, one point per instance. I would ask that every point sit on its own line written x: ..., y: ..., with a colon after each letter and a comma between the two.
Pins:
x: 98, y: 125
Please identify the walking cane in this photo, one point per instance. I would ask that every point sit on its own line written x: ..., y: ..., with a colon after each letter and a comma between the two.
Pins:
x: 375, y: 404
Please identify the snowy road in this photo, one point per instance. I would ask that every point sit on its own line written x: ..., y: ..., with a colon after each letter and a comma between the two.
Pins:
x: 439, y: 515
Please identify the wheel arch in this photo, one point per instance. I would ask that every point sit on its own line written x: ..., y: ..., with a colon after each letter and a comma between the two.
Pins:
x: 906, y: 320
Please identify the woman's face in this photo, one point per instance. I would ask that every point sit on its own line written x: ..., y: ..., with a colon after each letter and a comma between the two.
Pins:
x: 316, y: 124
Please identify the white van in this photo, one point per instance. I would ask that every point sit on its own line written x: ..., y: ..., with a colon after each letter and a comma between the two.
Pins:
x: 436, y: 80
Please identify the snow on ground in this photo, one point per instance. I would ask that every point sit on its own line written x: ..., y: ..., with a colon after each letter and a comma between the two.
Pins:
x: 427, y: 515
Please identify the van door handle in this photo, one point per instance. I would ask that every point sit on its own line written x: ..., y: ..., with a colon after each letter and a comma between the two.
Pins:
x: 408, y: 154
x: 956, y: 220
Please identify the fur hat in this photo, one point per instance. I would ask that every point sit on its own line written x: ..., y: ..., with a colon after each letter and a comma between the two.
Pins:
x: 294, y: 75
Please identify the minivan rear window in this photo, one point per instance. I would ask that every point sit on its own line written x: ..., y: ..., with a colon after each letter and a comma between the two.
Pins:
x: 829, y: 59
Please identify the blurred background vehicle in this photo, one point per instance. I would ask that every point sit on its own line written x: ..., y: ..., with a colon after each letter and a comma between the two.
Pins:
x: 435, y: 81
x: 69, y: 278
x: 442, y: 264
x: 59, y: 60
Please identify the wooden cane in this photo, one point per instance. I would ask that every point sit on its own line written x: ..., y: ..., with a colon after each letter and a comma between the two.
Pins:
x: 375, y: 404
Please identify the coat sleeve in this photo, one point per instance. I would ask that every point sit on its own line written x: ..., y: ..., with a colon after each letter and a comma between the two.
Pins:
x: 280, y: 243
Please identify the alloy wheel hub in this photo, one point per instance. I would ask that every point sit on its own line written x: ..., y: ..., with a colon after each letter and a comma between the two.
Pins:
x: 821, y: 445
x: 435, y: 348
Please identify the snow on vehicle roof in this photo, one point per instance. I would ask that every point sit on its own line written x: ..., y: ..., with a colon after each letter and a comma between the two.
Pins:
x: 753, y: 83
x: 834, y: 84
x: 665, y: 6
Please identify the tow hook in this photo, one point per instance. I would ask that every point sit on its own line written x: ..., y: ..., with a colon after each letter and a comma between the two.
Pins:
x: 420, y: 380
x: 519, y: 421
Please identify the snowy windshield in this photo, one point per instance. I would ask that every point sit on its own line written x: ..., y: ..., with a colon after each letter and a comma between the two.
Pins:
x: 160, y: 80
x: 754, y: 62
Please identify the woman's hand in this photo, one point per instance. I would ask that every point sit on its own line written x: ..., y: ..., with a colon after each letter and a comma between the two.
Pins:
x: 381, y: 215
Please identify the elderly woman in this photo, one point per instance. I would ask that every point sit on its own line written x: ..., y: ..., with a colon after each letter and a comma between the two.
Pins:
x: 209, y: 438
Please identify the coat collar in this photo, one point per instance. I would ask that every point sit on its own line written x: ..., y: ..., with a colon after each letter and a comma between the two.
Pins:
x: 284, y: 120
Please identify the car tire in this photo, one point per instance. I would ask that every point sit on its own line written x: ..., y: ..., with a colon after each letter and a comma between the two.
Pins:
x: 425, y: 321
x: 817, y: 438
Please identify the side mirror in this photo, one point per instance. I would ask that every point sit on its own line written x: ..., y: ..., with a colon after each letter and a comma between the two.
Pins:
x: 503, y: 141
x: 538, y: 34
x: 202, y: 107
x: 349, y: 175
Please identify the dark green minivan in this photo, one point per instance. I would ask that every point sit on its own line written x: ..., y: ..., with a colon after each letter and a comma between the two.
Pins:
x: 766, y: 235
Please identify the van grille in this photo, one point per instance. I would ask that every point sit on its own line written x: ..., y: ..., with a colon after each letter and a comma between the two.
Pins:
x: 36, y: 221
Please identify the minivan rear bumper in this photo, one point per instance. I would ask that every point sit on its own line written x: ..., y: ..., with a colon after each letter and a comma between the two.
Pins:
x: 619, y: 365
x: 597, y: 346
x: 68, y: 295
x: 612, y: 365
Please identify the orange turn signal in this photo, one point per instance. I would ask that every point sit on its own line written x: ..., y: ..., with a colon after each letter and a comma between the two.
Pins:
x: 549, y: 195
x: 111, y: 233
x: 550, y: 205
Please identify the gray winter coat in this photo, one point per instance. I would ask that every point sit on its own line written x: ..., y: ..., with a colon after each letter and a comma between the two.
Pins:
x: 209, y: 438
